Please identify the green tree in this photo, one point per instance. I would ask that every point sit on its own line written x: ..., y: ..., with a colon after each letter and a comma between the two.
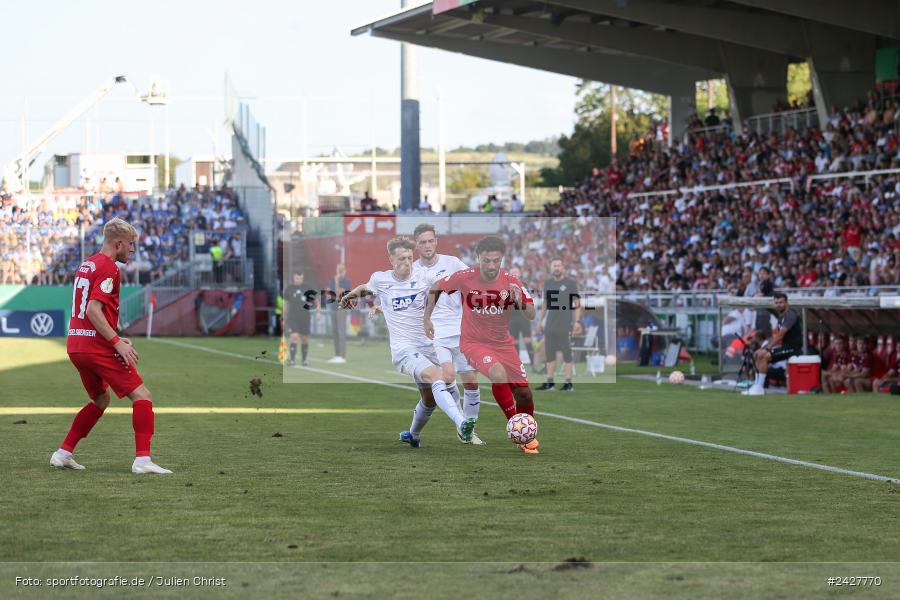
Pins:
x: 589, y: 144
x: 467, y: 179
x: 548, y: 146
x: 799, y: 84
x: 712, y: 94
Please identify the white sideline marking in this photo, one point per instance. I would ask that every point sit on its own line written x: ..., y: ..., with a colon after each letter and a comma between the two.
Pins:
x: 673, y: 438
x: 662, y: 436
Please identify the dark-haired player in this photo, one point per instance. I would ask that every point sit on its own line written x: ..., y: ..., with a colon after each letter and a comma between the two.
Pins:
x: 488, y: 293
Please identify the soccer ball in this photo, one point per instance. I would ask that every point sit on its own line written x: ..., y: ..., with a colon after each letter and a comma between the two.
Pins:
x: 521, y: 428
x: 676, y: 377
x: 610, y: 360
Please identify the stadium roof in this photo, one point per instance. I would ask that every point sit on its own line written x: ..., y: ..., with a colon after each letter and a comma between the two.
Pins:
x: 663, y: 46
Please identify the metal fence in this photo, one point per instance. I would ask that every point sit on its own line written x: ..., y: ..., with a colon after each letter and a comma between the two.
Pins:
x: 780, y: 122
x: 201, y: 274
x: 775, y: 122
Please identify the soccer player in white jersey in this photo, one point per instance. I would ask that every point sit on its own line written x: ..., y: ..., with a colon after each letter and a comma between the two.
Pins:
x: 447, y: 316
x: 402, y: 295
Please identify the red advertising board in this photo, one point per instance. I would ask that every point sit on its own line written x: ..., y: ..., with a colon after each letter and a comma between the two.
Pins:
x: 365, y: 244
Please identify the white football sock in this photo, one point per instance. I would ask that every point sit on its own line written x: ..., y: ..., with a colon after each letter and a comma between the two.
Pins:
x: 446, y: 403
x: 64, y: 453
x: 141, y: 459
x: 761, y: 379
x: 471, y: 403
x: 453, y: 390
x: 421, y: 415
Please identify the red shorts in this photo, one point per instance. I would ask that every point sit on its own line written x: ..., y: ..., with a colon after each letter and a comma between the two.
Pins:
x: 99, y: 371
x: 483, y: 356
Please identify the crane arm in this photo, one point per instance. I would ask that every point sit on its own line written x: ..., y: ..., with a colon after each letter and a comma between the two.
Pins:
x: 17, y: 168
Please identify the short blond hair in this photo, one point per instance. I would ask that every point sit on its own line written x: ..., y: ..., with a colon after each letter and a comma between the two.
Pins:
x: 119, y: 229
x: 400, y: 242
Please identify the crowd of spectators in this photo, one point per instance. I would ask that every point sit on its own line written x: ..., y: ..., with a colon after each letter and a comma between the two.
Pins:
x: 826, y: 233
x: 40, y: 236
x: 585, y: 245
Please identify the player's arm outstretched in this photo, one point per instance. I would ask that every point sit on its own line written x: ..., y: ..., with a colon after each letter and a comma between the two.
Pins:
x: 123, y: 346
x: 360, y: 291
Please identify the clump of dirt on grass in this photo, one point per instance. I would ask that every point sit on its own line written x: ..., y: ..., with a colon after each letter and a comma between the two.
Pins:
x: 256, y: 387
x: 574, y: 563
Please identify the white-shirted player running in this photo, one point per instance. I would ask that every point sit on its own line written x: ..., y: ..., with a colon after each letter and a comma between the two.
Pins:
x: 402, y: 295
x: 446, y: 318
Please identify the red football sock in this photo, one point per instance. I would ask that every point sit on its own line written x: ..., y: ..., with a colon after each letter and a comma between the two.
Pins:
x: 142, y: 421
x: 503, y: 396
x: 521, y: 406
x: 84, y: 421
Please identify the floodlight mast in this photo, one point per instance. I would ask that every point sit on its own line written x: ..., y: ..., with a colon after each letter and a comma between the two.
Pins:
x: 16, y: 172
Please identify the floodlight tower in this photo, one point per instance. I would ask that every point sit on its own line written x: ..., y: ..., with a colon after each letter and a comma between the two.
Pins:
x: 159, y: 96
x: 410, y: 158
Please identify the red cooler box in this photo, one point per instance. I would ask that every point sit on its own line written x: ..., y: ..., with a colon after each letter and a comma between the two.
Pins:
x: 804, y: 373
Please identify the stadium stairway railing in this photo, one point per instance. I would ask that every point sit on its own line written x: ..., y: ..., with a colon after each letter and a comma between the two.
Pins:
x: 774, y: 122
x: 234, y: 274
x: 780, y: 122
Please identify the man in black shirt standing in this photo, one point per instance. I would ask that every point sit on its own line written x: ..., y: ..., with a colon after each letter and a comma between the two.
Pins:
x: 786, y: 341
x: 520, y: 326
x: 297, y: 304
x: 561, y: 310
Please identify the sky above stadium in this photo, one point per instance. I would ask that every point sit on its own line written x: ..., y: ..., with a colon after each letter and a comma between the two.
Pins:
x: 277, y: 52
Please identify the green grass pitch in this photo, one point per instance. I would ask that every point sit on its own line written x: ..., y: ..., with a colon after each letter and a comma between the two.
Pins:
x: 334, y: 506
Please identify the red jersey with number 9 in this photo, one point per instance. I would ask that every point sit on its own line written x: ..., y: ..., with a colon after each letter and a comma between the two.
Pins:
x: 96, y: 279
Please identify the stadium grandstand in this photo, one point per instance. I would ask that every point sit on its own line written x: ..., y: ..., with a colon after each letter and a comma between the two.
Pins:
x: 809, y: 192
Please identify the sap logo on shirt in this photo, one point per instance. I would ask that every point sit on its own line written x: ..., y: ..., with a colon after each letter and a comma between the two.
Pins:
x: 403, y: 302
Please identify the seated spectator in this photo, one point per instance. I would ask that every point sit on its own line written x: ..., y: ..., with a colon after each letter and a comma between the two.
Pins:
x: 368, y: 204
x: 891, y: 376
x: 838, y: 367
x: 858, y: 376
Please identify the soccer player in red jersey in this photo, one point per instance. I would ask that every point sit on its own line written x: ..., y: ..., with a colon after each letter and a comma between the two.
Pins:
x: 102, y: 358
x: 488, y: 293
